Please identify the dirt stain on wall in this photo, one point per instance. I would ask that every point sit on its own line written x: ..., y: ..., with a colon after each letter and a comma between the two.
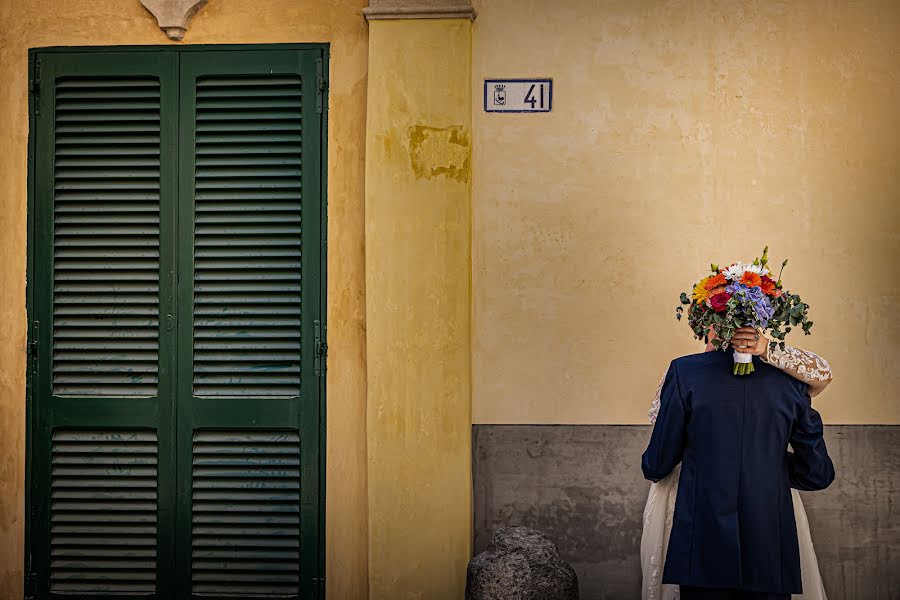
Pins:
x: 435, y: 151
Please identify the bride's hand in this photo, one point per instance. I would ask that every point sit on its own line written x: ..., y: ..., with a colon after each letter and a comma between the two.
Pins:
x: 749, y: 341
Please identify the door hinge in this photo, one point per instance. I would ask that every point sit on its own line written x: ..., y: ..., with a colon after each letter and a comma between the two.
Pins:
x: 30, y: 580
x: 321, y: 85
x: 34, y: 86
x: 33, y: 347
x: 319, y: 587
x: 321, y: 348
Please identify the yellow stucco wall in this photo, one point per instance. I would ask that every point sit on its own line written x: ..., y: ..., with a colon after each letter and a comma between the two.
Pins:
x: 112, y: 22
x: 418, y: 307
x: 681, y: 133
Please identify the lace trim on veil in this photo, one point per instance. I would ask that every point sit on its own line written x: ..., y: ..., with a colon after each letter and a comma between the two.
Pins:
x: 654, y: 406
x: 655, y: 536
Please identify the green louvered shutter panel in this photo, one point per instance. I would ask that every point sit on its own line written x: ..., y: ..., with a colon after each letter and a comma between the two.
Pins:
x: 249, y: 260
x: 102, y: 382
x: 176, y: 300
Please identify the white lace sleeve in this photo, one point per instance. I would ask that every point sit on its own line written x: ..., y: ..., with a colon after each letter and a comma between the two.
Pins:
x: 801, y: 364
x: 654, y: 406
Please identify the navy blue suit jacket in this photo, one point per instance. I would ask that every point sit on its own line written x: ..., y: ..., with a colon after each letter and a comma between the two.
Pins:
x: 734, y: 522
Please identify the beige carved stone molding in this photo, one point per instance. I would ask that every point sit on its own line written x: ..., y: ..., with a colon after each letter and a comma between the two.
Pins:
x: 173, y: 16
x: 419, y: 9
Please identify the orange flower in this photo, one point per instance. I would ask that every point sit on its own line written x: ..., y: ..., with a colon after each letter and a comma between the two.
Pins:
x: 767, y: 285
x: 750, y: 279
x: 716, y: 281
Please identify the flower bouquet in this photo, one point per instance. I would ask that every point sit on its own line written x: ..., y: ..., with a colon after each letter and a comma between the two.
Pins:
x: 743, y: 295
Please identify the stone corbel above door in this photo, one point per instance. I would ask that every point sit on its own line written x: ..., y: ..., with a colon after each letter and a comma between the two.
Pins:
x: 419, y: 9
x: 173, y: 16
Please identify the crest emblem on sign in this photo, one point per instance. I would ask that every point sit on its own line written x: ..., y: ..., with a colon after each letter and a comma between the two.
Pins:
x: 500, y: 94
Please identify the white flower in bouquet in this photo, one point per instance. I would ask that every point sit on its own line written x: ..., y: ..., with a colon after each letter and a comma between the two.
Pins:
x: 737, y: 270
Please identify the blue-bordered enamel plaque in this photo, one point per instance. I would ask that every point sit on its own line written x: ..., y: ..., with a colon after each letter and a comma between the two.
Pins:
x: 518, y: 95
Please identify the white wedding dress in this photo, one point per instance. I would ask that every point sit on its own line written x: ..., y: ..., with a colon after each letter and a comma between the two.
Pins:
x: 660, y: 508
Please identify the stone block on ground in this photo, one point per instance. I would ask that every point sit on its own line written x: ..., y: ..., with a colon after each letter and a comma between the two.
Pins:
x: 520, y: 564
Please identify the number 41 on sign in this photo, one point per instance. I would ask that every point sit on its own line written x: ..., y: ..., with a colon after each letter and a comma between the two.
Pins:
x: 518, y: 95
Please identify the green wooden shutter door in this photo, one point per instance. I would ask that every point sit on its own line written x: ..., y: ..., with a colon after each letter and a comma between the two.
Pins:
x: 103, y: 219
x: 249, y: 257
x: 176, y: 296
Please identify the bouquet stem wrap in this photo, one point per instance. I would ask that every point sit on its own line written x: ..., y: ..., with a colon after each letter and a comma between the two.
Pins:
x: 743, y: 363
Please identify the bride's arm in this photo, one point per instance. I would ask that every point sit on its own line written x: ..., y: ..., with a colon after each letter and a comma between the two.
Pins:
x: 801, y: 364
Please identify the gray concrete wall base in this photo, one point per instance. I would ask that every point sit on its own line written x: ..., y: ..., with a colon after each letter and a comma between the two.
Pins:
x: 582, y: 486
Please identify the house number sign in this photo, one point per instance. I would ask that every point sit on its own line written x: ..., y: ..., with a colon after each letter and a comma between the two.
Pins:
x: 518, y: 95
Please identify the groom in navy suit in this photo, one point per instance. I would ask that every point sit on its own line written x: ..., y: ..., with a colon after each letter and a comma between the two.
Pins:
x: 734, y: 536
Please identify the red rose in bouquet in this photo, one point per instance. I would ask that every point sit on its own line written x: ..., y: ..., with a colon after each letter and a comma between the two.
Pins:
x: 719, y: 302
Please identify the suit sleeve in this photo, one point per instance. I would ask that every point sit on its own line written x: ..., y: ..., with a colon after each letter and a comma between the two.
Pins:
x: 666, y: 446
x: 809, y: 466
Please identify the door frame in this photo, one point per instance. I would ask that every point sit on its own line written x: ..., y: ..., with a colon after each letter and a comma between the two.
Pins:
x: 34, y: 55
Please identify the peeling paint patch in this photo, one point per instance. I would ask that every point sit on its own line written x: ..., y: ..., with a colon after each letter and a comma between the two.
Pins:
x: 435, y: 151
